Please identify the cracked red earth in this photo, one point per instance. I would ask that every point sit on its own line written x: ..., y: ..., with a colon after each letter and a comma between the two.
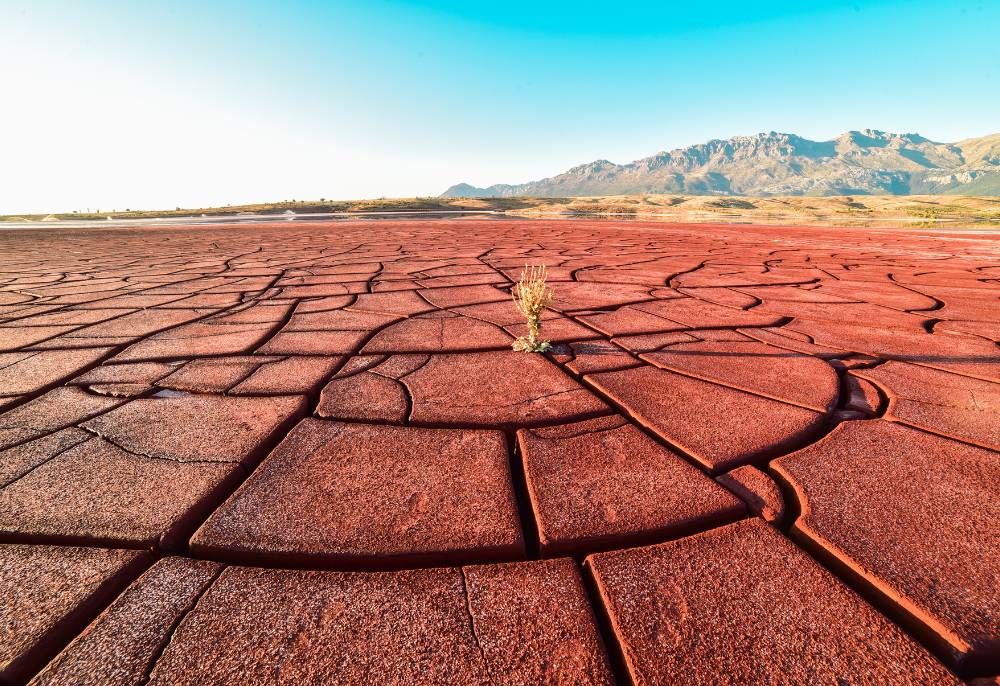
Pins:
x: 305, y: 453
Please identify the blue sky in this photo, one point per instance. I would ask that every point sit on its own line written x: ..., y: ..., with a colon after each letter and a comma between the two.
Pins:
x: 141, y: 104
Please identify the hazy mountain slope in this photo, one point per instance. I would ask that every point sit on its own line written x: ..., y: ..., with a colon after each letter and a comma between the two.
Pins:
x: 985, y: 150
x: 865, y: 162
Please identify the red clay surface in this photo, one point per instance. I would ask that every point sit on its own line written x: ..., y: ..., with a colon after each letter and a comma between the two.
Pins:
x: 311, y: 452
x: 916, y: 504
x: 743, y: 605
x: 941, y: 402
x: 526, y: 623
x: 719, y: 426
x: 372, y: 495
x: 762, y: 496
x: 604, y: 482
x: 48, y: 595
x: 121, y: 644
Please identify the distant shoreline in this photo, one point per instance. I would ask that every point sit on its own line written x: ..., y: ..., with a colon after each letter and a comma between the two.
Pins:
x: 858, y: 210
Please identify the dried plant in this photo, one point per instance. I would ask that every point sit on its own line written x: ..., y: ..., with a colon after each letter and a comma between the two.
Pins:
x: 532, y: 295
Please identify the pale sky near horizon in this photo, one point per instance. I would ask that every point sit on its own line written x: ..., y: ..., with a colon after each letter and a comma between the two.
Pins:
x: 113, y: 105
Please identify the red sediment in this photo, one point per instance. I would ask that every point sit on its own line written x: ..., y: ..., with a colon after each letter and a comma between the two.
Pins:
x: 756, y: 367
x: 742, y: 604
x: 719, y: 426
x: 525, y: 623
x: 901, y: 511
x: 757, y: 490
x: 55, y: 410
x: 123, y: 642
x: 603, y: 483
x: 497, y: 389
x: 358, y: 495
x: 197, y: 428
x: 49, y: 594
x: 97, y: 493
x: 288, y: 376
x: 948, y: 404
x: 26, y: 372
x: 862, y: 395
x: 438, y: 333
x: 154, y: 385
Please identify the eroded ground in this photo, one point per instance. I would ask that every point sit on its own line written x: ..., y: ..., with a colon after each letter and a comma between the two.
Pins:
x: 306, y: 454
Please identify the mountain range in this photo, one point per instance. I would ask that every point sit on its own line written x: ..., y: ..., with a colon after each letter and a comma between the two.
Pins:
x: 867, y: 162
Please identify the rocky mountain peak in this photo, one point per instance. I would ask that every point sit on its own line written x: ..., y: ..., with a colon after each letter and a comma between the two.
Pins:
x: 868, y: 161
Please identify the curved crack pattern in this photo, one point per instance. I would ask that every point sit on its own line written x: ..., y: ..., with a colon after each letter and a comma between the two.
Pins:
x: 781, y: 294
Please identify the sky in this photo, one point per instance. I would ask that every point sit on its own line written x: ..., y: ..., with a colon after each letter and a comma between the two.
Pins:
x: 152, y: 105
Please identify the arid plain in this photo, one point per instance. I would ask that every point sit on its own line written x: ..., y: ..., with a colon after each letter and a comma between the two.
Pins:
x: 305, y: 453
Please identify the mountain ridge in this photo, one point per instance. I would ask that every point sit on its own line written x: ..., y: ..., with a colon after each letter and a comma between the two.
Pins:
x: 865, y: 162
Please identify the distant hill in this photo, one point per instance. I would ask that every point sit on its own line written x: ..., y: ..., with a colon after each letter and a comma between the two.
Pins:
x: 865, y: 162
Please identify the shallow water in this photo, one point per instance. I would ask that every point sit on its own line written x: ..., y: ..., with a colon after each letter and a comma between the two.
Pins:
x: 242, y: 219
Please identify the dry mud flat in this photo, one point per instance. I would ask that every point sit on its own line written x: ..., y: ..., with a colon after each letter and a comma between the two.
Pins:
x: 306, y: 454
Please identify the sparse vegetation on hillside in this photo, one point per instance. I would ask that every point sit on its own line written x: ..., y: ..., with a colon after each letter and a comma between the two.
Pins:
x: 777, y: 209
x: 935, y: 211
x: 732, y: 204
